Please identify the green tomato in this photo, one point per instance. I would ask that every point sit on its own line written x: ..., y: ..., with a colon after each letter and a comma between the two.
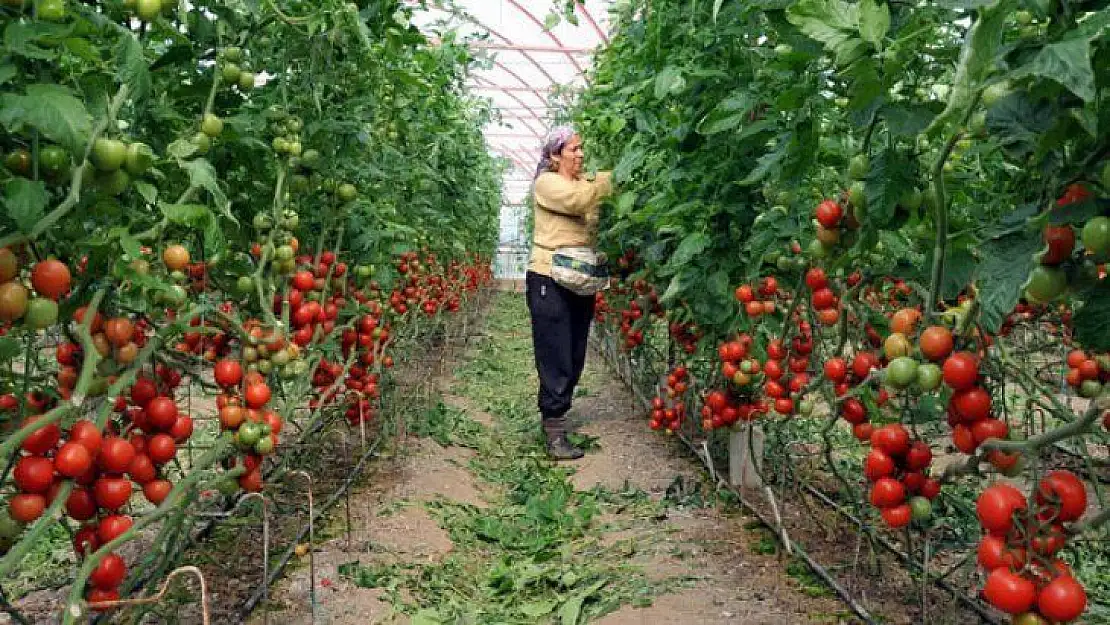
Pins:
x: 41, y: 313
x: 784, y: 49
x: 817, y: 249
x: 108, y: 154
x: 364, y: 271
x: 1045, y: 284
x: 262, y: 222
x: 911, y: 199
x: 280, y: 145
x: 347, y: 192
x: 978, y: 124
x: 310, y: 158
x: 901, y: 372
x: 857, y: 195
x: 264, y: 446
x: 245, y: 284
x: 784, y: 263
x: 233, y: 53
x: 928, y: 376
x: 805, y: 408
x: 1096, y: 236
x: 148, y: 10
x: 1023, y: 17
x: 114, y: 183
x: 246, y: 81
x: 139, y: 158
x: 921, y: 508
x: 51, y: 10
x: 290, y: 220
x: 284, y: 252
x: 227, y: 487
x: 18, y: 162
x: 230, y: 73
x: 1089, y: 389
x: 202, y: 143
x: 249, y: 433
x: 294, y: 148
x: 54, y: 160
x: 858, y: 167
x: 211, y: 125
x: 995, y: 92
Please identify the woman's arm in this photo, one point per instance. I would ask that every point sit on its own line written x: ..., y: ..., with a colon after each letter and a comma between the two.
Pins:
x: 571, y: 197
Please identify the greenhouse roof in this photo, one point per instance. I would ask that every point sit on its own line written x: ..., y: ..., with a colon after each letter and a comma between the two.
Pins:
x: 534, y: 62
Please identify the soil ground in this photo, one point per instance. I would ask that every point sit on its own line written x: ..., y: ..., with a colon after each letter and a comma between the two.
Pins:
x: 638, y: 536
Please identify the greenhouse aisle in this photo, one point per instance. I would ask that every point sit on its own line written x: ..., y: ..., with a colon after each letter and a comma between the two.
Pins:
x: 471, y: 524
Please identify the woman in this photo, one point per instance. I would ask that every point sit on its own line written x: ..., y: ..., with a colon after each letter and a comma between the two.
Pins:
x: 566, y: 215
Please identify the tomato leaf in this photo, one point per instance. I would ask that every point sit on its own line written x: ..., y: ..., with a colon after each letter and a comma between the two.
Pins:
x: 50, y: 109
x: 1003, y: 269
x: 9, y: 348
x: 669, y: 82
x: 25, y: 201
x: 694, y: 244
x: 21, y: 38
x: 977, y: 58
x: 1090, y: 321
x: 148, y: 191
x: 1018, y: 123
x: 874, y: 22
x: 133, y: 69
x: 202, y: 174
x: 890, y: 175
x: 832, y: 22
x: 1068, y: 62
x: 905, y: 120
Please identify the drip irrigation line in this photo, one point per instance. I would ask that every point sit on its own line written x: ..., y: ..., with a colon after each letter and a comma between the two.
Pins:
x: 276, y: 570
x: 970, y: 602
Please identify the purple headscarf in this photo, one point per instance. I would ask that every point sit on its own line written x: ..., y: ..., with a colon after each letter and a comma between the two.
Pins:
x: 553, y: 145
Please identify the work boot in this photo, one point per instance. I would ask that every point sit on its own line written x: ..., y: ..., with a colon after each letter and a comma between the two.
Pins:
x: 559, y: 446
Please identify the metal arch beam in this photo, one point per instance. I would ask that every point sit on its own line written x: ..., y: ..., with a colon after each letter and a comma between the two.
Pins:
x: 529, y: 160
x: 480, y: 45
x: 518, y: 101
x: 550, y: 35
x: 581, y: 6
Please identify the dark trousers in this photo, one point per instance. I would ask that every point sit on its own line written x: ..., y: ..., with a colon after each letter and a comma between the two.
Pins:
x: 560, y: 328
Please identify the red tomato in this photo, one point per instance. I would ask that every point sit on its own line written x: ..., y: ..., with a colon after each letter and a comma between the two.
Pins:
x: 863, y: 363
x: 1009, y: 592
x: 961, y: 370
x: 86, y: 433
x: 836, y: 369
x: 257, y: 395
x: 161, y: 448
x: 887, y: 493
x: 878, y: 465
x: 109, y: 573
x: 897, y: 516
x: 1061, y: 495
x: 973, y: 404
x: 919, y: 456
x: 116, y: 454
x: 73, y: 459
x: 853, y: 411
x: 41, y: 440
x: 34, y: 474
x: 816, y: 279
x: 112, y: 526
x: 892, y: 439
x: 156, y: 491
x: 829, y: 213
x: 26, y: 507
x: 80, y: 505
x: 142, y: 391
x: 996, y: 507
x: 228, y: 373
x: 1062, y: 600
x: 112, y: 492
x: 161, y: 413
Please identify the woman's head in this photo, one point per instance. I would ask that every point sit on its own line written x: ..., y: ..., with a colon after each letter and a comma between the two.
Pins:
x: 562, y: 152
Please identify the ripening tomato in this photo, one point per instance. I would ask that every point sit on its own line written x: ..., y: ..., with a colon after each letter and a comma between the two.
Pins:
x: 109, y: 573
x: 961, y: 370
x: 1062, y: 495
x: 50, y: 278
x: 887, y: 493
x: 829, y: 213
x: 1061, y: 243
x: 1063, y: 600
x: 1009, y: 592
x: 996, y: 506
x: 257, y: 395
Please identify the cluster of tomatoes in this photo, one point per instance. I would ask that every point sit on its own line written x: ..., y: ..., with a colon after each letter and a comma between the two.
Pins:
x: 244, y: 413
x: 1049, y: 279
x: 670, y: 418
x: 425, y: 285
x: 1019, y: 546
x: 825, y: 303
x: 685, y: 335
x: 209, y: 340
x: 898, y: 470
x: 1086, y: 374
x: 50, y: 280
x: 312, y: 310
x: 754, y: 307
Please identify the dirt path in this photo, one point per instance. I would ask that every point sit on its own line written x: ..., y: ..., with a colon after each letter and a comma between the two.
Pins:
x: 469, y: 523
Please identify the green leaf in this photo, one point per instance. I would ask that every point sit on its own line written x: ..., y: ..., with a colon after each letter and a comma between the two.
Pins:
x: 631, y: 159
x: 9, y: 348
x: 536, y: 609
x: 148, y: 191
x: 977, y: 58
x: 669, y: 82
x: 959, y: 267
x: 906, y: 120
x: 1066, y: 62
x: 551, y: 21
x: 832, y: 22
x: 7, y: 72
x: 891, y: 174
x: 1090, y: 321
x: 202, y: 174
x: 52, y: 110
x: 191, y: 215
x: 765, y: 164
x: 690, y: 247
x: 21, y: 38
x: 133, y: 69
x: 874, y: 22
x: 570, y: 612
x: 25, y: 201
x: 1003, y: 269
x: 728, y: 114
x: 129, y: 244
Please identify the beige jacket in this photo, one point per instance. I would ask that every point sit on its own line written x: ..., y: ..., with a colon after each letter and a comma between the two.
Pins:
x: 566, y: 215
